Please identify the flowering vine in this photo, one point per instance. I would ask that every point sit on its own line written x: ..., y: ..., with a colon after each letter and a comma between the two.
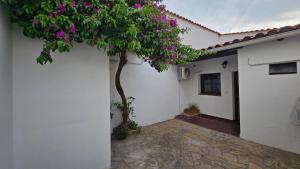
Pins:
x: 117, y: 26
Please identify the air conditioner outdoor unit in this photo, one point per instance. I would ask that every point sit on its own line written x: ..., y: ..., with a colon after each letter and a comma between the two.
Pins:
x: 184, y: 73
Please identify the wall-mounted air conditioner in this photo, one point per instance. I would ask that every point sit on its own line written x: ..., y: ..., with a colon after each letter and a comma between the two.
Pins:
x: 184, y: 73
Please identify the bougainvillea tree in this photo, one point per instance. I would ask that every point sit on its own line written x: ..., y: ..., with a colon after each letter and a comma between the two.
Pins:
x: 117, y: 26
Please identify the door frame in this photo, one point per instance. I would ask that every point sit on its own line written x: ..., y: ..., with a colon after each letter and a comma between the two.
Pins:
x: 236, y: 96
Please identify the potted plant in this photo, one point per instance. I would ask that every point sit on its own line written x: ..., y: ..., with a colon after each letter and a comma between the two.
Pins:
x: 192, y: 110
x: 134, y: 127
x: 121, y: 132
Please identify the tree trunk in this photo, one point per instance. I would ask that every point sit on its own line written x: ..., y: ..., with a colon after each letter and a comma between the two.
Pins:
x: 125, y: 111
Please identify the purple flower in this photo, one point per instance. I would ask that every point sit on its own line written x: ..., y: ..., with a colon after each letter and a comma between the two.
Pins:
x: 72, y: 4
x: 87, y: 5
x: 52, y: 14
x: 66, y: 40
x: 172, y: 48
x: 172, y: 56
x: 34, y: 22
x: 60, y: 34
x: 72, y: 29
x: 61, y: 8
x: 173, y: 22
x: 96, y: 10
x: 163, y: 17
x: 137, y: 6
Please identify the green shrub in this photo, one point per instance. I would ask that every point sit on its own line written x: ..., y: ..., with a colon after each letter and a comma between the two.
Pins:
x: 121, y: 132
x: 120, y: 106
x: 133, y: 125
x: 192, y: 109
x: 193, y: 106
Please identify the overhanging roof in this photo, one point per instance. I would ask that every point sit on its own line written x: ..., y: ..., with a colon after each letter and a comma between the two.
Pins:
x: 272, y: 34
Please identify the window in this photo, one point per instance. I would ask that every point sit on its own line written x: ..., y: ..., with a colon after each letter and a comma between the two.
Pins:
x: 283, y: 68
x: 210, y: 84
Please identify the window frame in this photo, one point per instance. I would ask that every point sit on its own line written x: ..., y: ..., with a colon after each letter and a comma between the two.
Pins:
x: 201, y: 84
x: 282, y: 64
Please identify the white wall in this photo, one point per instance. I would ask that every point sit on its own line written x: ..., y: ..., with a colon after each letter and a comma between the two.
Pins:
x: 6, y: 122
x: 156, y: 93
x: 197, y: 37
x: 267, y: 100
x: 219, y: 106
x: 61, y: 110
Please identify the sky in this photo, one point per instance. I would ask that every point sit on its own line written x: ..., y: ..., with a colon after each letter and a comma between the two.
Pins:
x: 238, y: 15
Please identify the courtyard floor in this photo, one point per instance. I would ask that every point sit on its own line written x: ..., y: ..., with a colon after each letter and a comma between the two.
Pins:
x: 179, y: 145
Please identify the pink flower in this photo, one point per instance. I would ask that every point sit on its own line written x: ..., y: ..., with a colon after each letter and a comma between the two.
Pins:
x: 163, y: 17
x: 34, y: 22
x: 96, y: 10
x: 66, y: 40
x: 171, y: 62
x: 52, y: 14
x: 61, y: 8
x: 172, y: 48
x: 172, y: 56
x: 173, y: 22
x: 137, y: 6
x: 60, y: 34
x: 72, y: 29
x: 72, y: 4
x: 87, y: 5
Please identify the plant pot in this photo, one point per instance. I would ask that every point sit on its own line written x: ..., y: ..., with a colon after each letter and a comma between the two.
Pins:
x: 191, y: 112
x: 135, y: 131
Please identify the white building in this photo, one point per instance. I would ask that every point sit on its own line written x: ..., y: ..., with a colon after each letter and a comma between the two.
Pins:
x: 58, y: 116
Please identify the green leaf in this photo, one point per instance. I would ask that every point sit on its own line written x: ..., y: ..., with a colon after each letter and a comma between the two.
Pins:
x: 101, y: 44
x: 132, y: 32
x: 118, y: 26
x: 134, y: 46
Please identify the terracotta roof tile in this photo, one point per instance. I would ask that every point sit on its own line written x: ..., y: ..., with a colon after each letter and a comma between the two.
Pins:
x: 245, y: 38
x: 258, y: 35
x: 226, y: 43
x: 260, y: 32
x: 286, y: 28
x: 272, y: 32
x: 251, y: 31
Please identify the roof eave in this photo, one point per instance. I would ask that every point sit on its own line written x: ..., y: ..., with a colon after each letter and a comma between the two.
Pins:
x: 257, y: 41
x: 192, y: 22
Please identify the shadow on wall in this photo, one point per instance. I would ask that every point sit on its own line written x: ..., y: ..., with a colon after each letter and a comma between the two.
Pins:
x: 116, y: 113
x: 295, y: 116
x: 116, y: 118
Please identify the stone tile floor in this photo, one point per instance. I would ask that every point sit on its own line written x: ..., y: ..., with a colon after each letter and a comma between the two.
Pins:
x: 179, y: 145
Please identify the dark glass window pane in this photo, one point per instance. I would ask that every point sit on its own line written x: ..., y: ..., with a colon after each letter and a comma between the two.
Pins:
x: 283, y: 68
x: 210, y: 84
x: 207, y: 85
